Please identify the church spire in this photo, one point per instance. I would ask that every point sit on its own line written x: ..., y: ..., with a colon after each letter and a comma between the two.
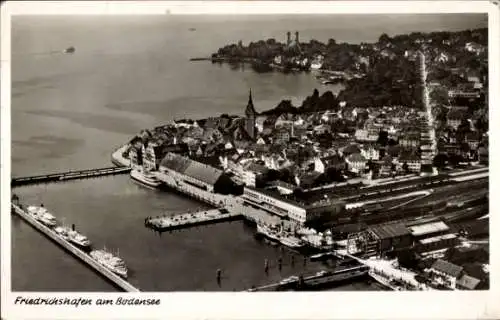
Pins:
x: 250, y: 111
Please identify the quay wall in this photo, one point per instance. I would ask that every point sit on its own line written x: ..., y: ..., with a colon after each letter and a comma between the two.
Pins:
x: 115, y: 279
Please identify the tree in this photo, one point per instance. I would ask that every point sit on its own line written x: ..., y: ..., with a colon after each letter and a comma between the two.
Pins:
x: 455, y: 159
x: 383, y: 138
x: 384, y: 38
x: 405, y: 167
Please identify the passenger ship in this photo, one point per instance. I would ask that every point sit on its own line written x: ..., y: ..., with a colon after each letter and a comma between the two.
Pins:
x: 74, y: 237
x: 145, y: 178
x: 111, y: 262
x: 41, y: 214
x: 279, y: 236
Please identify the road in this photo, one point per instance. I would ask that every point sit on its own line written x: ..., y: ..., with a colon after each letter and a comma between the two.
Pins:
x: 427, y: 104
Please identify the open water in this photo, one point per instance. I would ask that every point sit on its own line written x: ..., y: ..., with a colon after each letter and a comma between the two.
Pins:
x: 129, y: 73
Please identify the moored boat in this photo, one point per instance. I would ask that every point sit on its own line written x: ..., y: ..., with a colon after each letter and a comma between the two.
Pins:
x: 145, y: 178
x: 111, y: 262
x: 41, y: 214
x: 291, y: 242
x: 268, y: 232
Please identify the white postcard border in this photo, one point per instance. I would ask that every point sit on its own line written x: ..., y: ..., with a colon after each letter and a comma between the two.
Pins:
x: 338, y: 305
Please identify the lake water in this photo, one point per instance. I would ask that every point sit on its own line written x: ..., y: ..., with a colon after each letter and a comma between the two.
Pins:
x: 129, y: 73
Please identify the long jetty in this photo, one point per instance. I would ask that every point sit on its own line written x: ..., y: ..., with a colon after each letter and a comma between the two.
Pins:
x: 51, y: 234
x: 318, y: 280
x: 69, y: 175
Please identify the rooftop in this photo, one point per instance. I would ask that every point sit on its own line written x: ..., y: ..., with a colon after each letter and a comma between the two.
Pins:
x: 447, y: 267
x: 191, y: 168
x: 427, y: 228
x: 438, y: 238
x: 389, y: 230
x: 468, y: 282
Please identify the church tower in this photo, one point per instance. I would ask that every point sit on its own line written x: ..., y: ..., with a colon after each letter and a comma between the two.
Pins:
x: 250, y: 114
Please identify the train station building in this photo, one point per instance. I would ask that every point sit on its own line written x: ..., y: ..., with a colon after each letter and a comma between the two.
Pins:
x: 290, y: 206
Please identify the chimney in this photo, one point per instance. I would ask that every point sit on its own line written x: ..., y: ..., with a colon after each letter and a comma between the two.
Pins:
x: 297, y: 37
x: 288, y: 38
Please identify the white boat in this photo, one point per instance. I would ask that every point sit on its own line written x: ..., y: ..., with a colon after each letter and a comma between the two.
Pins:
x: 145, y: 178
x: 41, y: 214
x: 291, y: 242
x: 73, y: 236
x: 268, y: 232
x: 62, y: 232
x: 79, y: 239
x: 111, y: 262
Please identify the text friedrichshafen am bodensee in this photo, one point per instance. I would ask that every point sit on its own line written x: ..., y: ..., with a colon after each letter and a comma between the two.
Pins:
x: 85, y: 301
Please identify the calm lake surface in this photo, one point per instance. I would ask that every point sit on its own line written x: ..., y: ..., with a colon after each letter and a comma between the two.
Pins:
x: 129, y: 73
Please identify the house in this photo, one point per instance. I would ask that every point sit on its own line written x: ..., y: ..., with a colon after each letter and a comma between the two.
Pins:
x: 325, y: 163
x: 386, y: 166
x: 281, y: 136
x: 474, y: 47
x: 446, y: 273
x: 410, y: 140
x: 466, y: 282
x: 413, y: 161
x: 356, y: 162
x: 370, y: 151
x: 442, y: 57
x: 472, y: 139
x: 252, y: 172
x: 322, y: 129
x: 350, y: 149
x: 483, y: 155
x: 135, y: 155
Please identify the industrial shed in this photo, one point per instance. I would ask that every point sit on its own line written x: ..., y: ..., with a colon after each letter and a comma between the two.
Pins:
x: 391, y: 237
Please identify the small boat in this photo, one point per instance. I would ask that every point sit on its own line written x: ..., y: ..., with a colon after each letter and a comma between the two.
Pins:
x: 291, y: 242
x: 145, y: 178
x: 268, y: 232
x: 192, y: 29
x: 69, y: 50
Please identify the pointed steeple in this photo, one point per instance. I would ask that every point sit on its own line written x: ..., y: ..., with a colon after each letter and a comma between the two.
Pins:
x: 250, y: 110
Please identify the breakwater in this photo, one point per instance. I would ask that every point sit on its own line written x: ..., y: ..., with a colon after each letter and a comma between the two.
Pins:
x: 83, y: 256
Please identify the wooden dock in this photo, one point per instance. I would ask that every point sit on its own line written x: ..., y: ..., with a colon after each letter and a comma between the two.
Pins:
x: 96, y: 266
x: 186, y: 220
x: 69, y: 175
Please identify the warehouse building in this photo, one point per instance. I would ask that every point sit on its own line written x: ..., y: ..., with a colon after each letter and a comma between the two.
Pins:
x: 391, y: 237
x: 195, y: 173
x: 432, y: 236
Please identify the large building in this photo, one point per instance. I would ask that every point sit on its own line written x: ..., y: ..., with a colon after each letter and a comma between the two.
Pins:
x: 250, y: 114
x: 284, y: 204
x: 380, y: 239
x: 196, y: 174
